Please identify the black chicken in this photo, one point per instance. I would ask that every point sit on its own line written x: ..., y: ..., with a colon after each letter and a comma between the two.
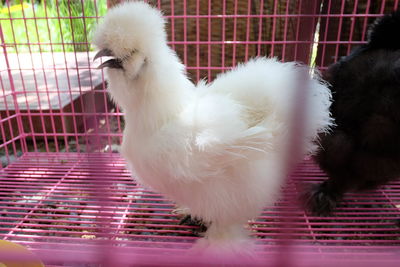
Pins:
x: 363, y: 150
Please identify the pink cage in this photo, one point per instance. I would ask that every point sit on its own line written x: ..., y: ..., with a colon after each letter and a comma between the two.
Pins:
x: 66, y: 195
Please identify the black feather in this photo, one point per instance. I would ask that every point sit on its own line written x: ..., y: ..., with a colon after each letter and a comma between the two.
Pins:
x: 363, y: 150
x: 382, y: 33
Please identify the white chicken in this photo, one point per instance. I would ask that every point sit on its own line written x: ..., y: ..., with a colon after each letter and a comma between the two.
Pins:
x: 216, y: 149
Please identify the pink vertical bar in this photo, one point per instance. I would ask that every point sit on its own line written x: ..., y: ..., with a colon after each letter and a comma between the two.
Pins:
x: 273, y: 29
x: 209, y: 40
x: 382, y: 9
x: 285, y: 30
x: 295, y: 134
x: 297, y: 31
x: 352, y: 26
x: 365, y: 20
x: 77, y: 73
x: 172, y: 24
x: 246, y: 53
x: 339, y: 29
x: 197, y: 40
x: 234, y: 33
x: 79, y: 79
x: 73, y: 114
x: 185, y: 32
x: 97, y: 128
x: 260, y: 27
x: 103, y: 92
x: 120, y: 112
x: 55, y: 75
x: 396, y: 4
x: 56, y: 79
x: 117, y: 111
x: 223, y: 34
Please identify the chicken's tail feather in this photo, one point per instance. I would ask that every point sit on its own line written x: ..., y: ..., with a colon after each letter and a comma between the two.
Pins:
x: 385, y: 32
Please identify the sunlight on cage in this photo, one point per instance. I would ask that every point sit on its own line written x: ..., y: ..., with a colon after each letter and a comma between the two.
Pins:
x: 63, y: 186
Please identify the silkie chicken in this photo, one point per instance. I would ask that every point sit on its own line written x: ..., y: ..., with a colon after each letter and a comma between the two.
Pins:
x: 363, y: 151
x: 215, y: 149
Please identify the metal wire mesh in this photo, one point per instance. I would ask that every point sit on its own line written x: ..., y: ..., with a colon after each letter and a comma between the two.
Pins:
x: 59, y: 130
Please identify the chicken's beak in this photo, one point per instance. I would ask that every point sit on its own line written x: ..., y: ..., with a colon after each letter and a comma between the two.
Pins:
x: 103, y: 53
x: 111, y: 63
x: 114, y: 63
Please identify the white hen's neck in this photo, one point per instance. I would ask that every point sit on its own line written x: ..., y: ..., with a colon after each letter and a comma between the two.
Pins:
x: 160, y: 94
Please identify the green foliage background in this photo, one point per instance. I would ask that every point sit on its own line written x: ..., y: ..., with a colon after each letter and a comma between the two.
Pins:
x: 48, y: 25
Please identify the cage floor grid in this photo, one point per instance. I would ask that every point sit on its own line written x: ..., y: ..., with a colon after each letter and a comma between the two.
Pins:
x: 52, y: 201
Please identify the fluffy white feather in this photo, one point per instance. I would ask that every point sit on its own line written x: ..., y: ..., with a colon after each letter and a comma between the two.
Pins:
x: 217, y: 149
